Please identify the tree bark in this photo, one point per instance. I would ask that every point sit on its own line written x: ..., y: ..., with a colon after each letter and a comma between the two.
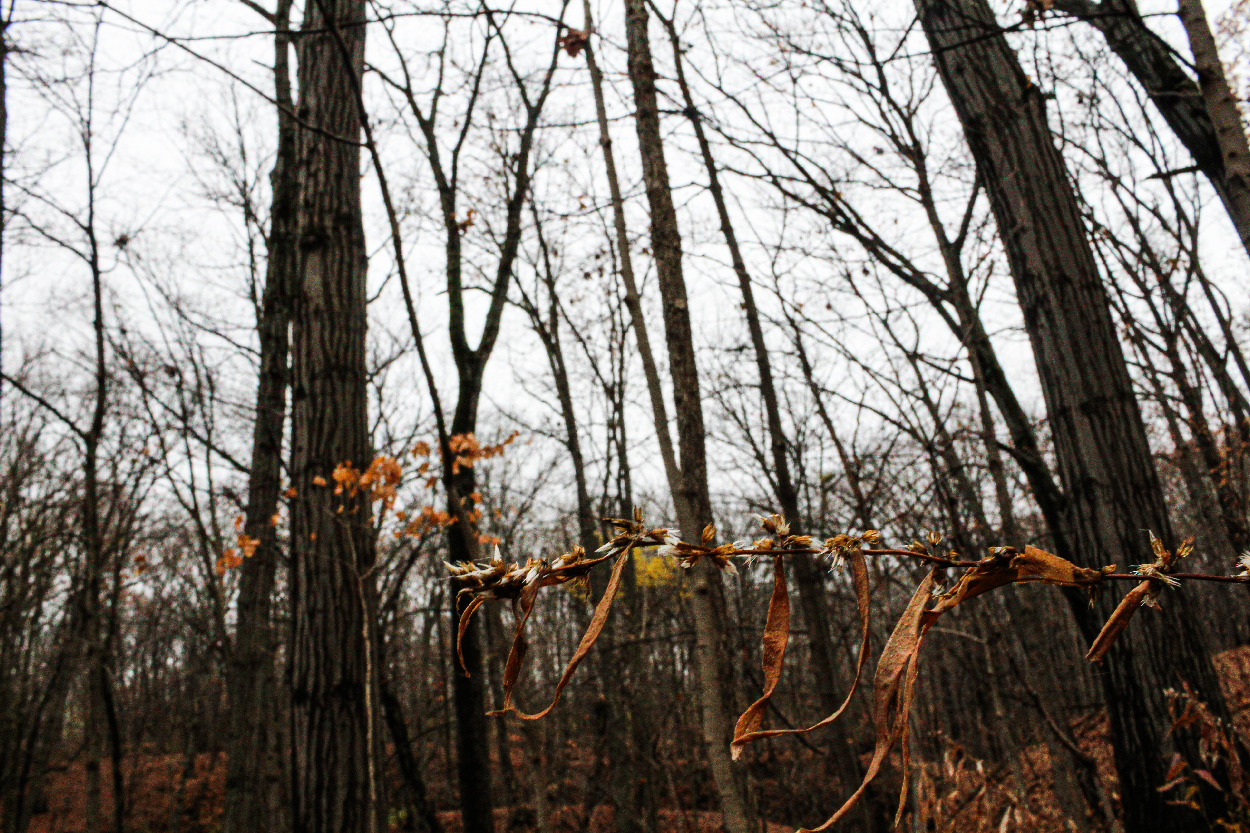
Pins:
x: 333, y: 596
x: 254, y: 758
x: 633, y: 300
x: 1112, y: 489
x: 707, y: 599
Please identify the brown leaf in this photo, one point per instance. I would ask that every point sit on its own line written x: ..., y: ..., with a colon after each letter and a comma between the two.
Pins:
x: 464, y: 626
x: 1031, y: 565
x: 574, y: 41
x: 523, y: 607
x: 597, y: 622
x: 893, y: 689
x: 1178, y: 766
x: 773, y: 649
x: 747, y: 731
x: 1206, y: 775
x: 1118, y: 622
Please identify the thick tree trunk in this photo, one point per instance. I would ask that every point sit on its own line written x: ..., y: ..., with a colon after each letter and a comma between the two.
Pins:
x: 473, y: 770
x: 1112, y: 489
x: 692, y: 489
x: 332, y: 542
x: 254, y: 757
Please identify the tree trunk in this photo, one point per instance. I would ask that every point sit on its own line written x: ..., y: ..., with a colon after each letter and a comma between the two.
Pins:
x: 254, y: 758
x: 707, y: 599
x: 633, y: 300
x: 1112, y: 489
x: 333, y: 597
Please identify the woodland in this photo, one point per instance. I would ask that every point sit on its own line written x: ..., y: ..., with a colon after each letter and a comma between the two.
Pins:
x: 485, y: 416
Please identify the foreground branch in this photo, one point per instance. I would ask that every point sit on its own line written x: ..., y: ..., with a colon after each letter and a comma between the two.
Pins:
x: 895, y: 677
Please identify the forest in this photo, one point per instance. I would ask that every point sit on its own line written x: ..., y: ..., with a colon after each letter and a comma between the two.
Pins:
x: 487, y: 416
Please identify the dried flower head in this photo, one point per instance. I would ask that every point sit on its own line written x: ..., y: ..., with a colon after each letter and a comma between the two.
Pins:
x: 1243, y: 563
x: 776, y: 524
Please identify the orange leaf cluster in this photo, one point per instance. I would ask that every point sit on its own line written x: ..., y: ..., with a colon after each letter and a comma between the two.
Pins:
x: 466, y: 450
x: 233, y: 556
x: 427, y: 519
x: 378, y: 482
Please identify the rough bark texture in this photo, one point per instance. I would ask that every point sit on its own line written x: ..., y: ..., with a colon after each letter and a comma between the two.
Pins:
x: 1112, y: 489
x: 707, y: 599
x: 332, y: 591
x: 253, y: 788
x: 1178, y: 99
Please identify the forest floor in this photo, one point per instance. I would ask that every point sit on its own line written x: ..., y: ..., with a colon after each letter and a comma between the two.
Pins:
x: 168, y: 792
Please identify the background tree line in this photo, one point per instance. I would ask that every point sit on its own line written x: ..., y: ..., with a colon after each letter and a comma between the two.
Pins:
x: 302, y: 302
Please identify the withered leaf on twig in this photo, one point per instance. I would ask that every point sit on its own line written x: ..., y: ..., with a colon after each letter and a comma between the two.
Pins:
x: 465, y: 618
x: 776, y: 634
x: 1009, y: 567
x: 1119, y: 620
x: 597, y: 622
x: 575, y: 40
x: 893, y: 689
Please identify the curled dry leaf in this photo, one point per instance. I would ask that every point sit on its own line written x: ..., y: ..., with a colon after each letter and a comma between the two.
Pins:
x: 893, y: 689
x: 1119, y: 620
x: 521, y: 584
x: 773, y: 649
x: 776, y: 635
x: 1006, y: 566
x: 597, y: 622
x: 465, y: 618
x: 895, y: 678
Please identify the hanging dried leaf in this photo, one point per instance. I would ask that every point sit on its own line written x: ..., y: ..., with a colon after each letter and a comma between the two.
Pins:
x: 1119, y: 620
x: 597, y: 622
x: 522, y: 608
x: 893, y: 689
x: 773, y: 649
x: 1006, y: 566
x: 465, y: 618
x: 748, y: 730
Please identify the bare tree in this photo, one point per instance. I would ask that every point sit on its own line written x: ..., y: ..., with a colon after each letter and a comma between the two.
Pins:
x: 333, y: 595
x: 255, y: 759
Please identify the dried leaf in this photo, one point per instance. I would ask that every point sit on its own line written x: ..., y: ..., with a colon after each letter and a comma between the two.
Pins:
x: 773, y: 649
x: 597, y: 622
x: 465, y: 617
x: 1174, y: 771
x: 1170, y: 784
x: 523, y: 607
x: 574, y: 41
x: 1206, y: 775
x: 1031, y: 565
x: 893, y: 688
x: 1118, y: 622
x: 745, y: 731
